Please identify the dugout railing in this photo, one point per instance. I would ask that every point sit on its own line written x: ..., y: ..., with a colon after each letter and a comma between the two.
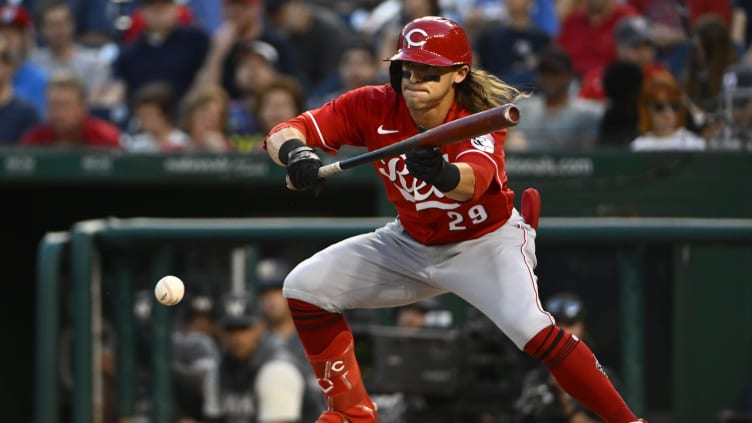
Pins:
x: 711, y: 257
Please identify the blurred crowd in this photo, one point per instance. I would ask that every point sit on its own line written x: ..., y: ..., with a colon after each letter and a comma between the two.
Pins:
x: 215, y: 75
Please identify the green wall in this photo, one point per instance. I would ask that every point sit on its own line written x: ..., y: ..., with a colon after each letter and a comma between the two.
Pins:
x: 712, y: 337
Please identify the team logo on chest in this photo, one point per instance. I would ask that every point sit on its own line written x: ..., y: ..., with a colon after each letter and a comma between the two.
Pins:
x: 483, y: 143
x: 424, y: 195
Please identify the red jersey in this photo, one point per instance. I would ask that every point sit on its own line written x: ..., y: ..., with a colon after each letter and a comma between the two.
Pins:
x: 376, y: 116
x: 591, y: 45
x: 94, y: 133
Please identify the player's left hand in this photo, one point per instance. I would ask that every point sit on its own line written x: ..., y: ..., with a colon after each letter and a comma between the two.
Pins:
x: 428, y: 164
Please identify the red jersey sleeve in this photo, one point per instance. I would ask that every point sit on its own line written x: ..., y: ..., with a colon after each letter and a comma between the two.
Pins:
x: 485, y: 155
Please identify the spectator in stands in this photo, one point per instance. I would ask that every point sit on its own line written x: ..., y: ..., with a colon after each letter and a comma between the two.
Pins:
x: 194, y: 356
x: 736, y: 110
x: 70, y: 123
x: 510, y: 49
x: 661, y: 117
x: 587, y: 34
x: 256, y: 379
x: 61, y: 52
x: 207, y: 13
x: 274, y: 103
x: 166, y: 51
x: 278, y: 102
x: 741, y: 27
x: 564, y: 8
x: 205, y: 119
x: 244, y: 22
x: 16, y: 114
x: 154, y: 110
x: 542, y: 399
x: 711, y: 55
x: 618, y: 126
x: 29, y: 81
x: 358, y: 66
x: 554, y: 119
x: 257, y: 68
x: 270, y: 274
x: 317, y: 36
x: 476, y: 15
x: 669, y: 26
x: 200, y: 316
x: 183, y: 13
x: 634, y: 44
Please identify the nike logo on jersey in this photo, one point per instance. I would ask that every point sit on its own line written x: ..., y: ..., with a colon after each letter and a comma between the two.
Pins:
x: 383, y: 131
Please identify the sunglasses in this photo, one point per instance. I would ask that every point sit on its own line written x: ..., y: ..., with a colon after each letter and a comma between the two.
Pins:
x: 661, y: 107
x: 432, y: 74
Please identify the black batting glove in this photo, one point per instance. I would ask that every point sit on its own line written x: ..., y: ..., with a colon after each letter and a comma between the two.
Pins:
x: 302, y: 164
x: 428, y: 164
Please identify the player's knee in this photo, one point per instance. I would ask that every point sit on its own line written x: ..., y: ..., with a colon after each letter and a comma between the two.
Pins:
x: 294, y: 282
x: 303, y: 284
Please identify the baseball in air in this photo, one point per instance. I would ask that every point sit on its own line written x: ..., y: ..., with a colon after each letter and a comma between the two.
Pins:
x: 169, y: 290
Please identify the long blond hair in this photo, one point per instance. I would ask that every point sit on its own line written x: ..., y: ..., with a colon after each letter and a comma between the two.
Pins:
x: 481, y: 90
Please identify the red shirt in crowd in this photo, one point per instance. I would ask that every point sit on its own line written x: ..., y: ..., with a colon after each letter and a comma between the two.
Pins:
x: 94, y: 133
x: 374, y: 117
x: 591, y: 45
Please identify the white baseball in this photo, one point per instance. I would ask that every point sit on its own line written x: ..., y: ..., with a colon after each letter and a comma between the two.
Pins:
x: 169, y: 290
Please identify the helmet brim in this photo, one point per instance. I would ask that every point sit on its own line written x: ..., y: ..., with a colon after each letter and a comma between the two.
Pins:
x: 418, y: 55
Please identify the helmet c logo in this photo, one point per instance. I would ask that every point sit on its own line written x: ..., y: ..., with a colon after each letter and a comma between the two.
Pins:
x: 409, y: 37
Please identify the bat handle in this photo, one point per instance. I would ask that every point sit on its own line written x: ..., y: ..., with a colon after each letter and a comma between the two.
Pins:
x: 324, y: 171
x: 330, y: 169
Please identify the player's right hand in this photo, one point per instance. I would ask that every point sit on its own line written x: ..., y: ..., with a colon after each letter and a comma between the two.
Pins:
x: 303, y: 168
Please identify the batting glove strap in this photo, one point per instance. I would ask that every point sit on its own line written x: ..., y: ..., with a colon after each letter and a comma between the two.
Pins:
x: 428, y: 164
x: 303, y: 167
x: 287, y: 148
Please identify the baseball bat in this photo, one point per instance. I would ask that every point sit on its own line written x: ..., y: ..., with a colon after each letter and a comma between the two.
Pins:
x: 471, y: 126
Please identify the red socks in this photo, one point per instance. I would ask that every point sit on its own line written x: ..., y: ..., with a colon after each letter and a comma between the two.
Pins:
x: 329, y: 346
x: 577, y: 370
x: 316, y: 328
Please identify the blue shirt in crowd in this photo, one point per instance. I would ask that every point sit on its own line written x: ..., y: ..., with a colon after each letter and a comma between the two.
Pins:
x: 30, y: 83
x: 17, y: 116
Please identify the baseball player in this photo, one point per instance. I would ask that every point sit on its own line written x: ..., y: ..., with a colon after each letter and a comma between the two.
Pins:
x: 457, y: 230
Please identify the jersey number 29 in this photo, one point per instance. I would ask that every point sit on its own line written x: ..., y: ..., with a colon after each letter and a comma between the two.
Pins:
x: 476, y: 214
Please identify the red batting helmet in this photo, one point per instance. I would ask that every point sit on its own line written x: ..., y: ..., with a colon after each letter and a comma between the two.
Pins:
x: 434, y: 41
